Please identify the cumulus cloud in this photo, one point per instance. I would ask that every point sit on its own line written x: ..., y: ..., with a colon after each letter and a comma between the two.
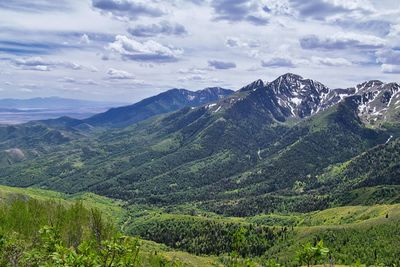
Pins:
x: 193, y: 70
x: 74, y: 81
x: 388, y: 56
x: 342, y: 41
x: 322, y: 9
x: 236, y: 42
x: 40, y: 64
x: 129, y: 9
x: 373, y: 26
x: 389, y: 59
x: 116, y: 74
x: 240, y: 10
x: 221, y: 65
x: 150, y: 50
x: 232, y: 42
x: 163, y: 28
x: 194, y: 77
x: 330, y: 61
x: 278, y: 62
x: 391, y: 69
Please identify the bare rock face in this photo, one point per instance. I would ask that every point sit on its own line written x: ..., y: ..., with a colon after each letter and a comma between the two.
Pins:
x: 378, y: 101
x: 292, y: 96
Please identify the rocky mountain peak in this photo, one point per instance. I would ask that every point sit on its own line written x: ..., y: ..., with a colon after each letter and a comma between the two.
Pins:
x: 377, y: 101
x: 368, y: 85
x: 252, y: 86
x: 301, y: 97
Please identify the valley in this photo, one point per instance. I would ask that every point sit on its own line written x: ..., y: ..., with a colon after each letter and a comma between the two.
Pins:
x: 275, y: 165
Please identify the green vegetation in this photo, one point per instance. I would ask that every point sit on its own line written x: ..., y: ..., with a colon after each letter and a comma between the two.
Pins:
x: 38, y: 223
x: 207, y: 236
x: 242, y: 187
x: 40, y: 232
x: 226, y: 162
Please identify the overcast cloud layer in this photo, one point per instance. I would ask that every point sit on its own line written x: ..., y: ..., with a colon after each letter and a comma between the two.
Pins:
x: 126, y: 50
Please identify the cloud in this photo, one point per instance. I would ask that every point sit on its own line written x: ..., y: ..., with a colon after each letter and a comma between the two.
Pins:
x: 236, y: 42
x: 391, y: 69
x: 85, y: 39
x: 40, y: 64
x: 143, y: 51
x: 115, y: 74
x: 322, y: 9
x: 29, y: 47
x: 195, y: 77
x: 375, y: 27
x: 390, y: 60
x: 67, y: 80
x: 330, y: 61
x: 394, y: 30
x: 278, y: 62
x: 25, y: 90
x: 74, y: 81
x: 193, y: 70
x: 163, y: 28
x: 129, y: 9
x: 221, y: 65
x: 232, y: 42
x: 240, y: 10
x: 342, y: 41
x: 34, y: 6
x: 388, y: 56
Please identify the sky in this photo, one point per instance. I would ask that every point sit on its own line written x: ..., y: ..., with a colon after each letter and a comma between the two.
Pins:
x: 126, y: 50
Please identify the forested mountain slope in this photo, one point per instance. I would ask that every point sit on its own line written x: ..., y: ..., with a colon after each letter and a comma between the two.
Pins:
x: 168, y: 101
x: 258, y: 150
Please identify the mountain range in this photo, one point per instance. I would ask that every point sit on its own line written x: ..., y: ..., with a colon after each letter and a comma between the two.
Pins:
x: 18, y: 111
x: 292, y: 144
x: 168, y: 101
x: 52, y: 103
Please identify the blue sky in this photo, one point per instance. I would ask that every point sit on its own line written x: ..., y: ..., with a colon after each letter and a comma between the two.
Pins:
x: 125, y: 50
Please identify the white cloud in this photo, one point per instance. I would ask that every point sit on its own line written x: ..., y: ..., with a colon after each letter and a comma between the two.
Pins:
x: 278, y: 62
x: 236, y: 42
x: 388, y: 68
x: 85, y: 39
x: 356, y: 40
x: 129, y: 9
x: 342, y: 40
x: 195, y: 77
x: 150, y: 50
x: 330, y: 61
x: 119, y: 74
x: 388, y: 56
x: 41, y: 64
x: 25, y: 90
x: 194, y: 70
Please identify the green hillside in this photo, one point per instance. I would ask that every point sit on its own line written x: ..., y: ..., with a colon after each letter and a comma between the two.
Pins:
x: 224, y: 163
x: 249, y: 179
x: 213, y: 237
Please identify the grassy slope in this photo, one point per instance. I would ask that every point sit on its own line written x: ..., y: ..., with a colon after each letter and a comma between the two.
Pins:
x: 336, y: 225
x: 351, y: 232
x: 112, y: 209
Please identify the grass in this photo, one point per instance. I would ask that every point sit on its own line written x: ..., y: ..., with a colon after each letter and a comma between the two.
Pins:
x: 379, y: 221
x: 113, y: 209
x: 110, y: 207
